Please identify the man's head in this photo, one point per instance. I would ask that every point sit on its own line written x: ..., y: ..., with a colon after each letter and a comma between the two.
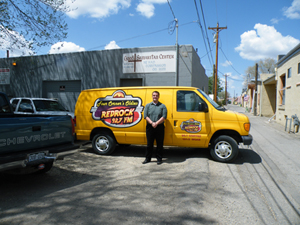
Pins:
x: 155, y: 96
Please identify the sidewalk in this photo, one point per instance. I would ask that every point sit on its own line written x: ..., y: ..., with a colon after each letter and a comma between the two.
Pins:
x: 280, y: 153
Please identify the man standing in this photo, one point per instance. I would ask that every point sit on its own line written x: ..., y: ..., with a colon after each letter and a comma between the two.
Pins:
x: 155, y: 113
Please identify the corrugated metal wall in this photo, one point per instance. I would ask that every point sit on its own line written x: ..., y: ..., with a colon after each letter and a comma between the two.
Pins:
x: 66, y: 92
x: 63, y: 76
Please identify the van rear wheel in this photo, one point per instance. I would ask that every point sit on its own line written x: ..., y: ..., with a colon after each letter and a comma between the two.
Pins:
x: 103, y: 144
x: 224, y: 149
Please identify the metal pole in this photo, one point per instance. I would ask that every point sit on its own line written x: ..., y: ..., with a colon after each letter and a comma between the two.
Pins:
x: 255, y: 91
x: 177, y: 54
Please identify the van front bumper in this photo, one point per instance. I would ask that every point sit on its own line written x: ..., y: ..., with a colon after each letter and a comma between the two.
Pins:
x: 247, y: 140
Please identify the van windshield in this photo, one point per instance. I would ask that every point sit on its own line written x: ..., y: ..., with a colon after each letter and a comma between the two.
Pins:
x: 216, y: 105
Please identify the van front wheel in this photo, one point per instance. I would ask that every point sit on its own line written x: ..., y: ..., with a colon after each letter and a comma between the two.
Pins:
x: 224, y: 149
x: 103, y: 144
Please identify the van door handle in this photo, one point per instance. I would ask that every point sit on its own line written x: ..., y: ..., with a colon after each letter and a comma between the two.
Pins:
x: 175, y: 123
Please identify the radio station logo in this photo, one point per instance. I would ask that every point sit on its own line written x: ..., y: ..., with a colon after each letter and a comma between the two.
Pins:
x: 118, y: 110
x: 191, y: 126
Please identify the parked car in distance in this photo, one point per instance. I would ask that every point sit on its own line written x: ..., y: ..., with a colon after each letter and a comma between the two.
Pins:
x: 38, y: 106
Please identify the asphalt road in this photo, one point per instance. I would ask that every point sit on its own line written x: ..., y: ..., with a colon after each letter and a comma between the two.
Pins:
x: 188, y: 188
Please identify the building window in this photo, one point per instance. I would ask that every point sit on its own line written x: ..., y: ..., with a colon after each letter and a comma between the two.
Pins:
x: 298, y: 68
x: 289, y: 73
x: 282, y: 90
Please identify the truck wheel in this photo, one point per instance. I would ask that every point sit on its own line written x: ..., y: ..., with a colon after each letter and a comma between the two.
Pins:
x: 224, y: 149
x: 103, y: 144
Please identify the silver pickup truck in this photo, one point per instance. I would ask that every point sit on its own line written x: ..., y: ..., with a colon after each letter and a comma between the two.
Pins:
x: 38, y: 106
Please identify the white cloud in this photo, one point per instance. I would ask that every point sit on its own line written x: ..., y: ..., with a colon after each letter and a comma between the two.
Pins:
x: 96, y: 8
x: 227, y: 63
x: 146, y: 7
x: 65, y: 47
x: 111, y: 45
x: 264, y: 42
x: 275, y: 21
x: 104, y: 8
x: 293, y: 12
x: 20, y: 48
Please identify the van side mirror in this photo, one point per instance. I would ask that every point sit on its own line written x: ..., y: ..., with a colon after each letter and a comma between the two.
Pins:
x: 202, y: 107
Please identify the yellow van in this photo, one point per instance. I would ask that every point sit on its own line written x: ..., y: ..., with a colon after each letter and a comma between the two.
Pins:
x: 111, y: 116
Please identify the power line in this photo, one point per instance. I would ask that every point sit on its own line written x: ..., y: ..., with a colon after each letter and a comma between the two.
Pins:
x: 138, y: 36
x: 205, y: 28
x: 127, y: 39
x: 171, y: 10
x: 229, y: 61
x: 205, y: 44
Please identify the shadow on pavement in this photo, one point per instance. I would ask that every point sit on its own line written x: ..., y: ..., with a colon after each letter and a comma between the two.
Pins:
x: 247, y: 156
x: 179, y: 155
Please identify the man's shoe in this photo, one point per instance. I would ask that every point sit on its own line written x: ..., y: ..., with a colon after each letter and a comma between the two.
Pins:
x: 146, y: 161
x: 159, y: 162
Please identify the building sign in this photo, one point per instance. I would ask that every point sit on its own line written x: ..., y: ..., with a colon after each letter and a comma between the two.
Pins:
x: 118, y: 110
x: 4, y: 76
x: 149, y: 62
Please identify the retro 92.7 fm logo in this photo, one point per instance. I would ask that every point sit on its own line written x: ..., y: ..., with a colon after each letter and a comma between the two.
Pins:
x: 118, y: 110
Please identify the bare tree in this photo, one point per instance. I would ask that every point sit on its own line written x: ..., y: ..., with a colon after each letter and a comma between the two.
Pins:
x: 28, y: 24
x: 264, y: 66
x: 267, y: 65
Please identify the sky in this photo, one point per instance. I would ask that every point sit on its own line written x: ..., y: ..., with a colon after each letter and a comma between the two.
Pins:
x: 255, y: 30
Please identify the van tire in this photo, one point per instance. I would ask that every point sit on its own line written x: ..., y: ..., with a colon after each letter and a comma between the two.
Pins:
x: 103, y: 144
x: 224, y: 149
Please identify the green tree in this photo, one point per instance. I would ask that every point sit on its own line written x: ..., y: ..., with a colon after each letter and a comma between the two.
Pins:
x: 32, y: 23
x: 211, y: 85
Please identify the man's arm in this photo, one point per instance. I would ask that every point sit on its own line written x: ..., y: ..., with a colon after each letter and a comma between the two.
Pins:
x: 149, y: 120
x: 161, y: 120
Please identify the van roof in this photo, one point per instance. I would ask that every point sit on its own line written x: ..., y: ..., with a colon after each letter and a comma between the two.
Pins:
x: 142, y: 87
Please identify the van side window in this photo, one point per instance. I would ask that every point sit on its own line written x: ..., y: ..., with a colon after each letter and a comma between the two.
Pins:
x: 188, y: 101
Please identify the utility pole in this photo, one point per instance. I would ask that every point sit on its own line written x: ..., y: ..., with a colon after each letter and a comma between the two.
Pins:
x: 226, y: 88
x: 255, y: 91
x: 217, y: 30
x: 214, y: 81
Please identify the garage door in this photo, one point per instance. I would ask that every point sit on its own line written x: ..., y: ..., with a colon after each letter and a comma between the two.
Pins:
x: 131, y: 82
x: 66, y: 92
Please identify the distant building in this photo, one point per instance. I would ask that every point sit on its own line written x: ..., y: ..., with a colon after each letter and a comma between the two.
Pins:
x: 288, y: 85
x: 63, y: 76
x: 278, y: 94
